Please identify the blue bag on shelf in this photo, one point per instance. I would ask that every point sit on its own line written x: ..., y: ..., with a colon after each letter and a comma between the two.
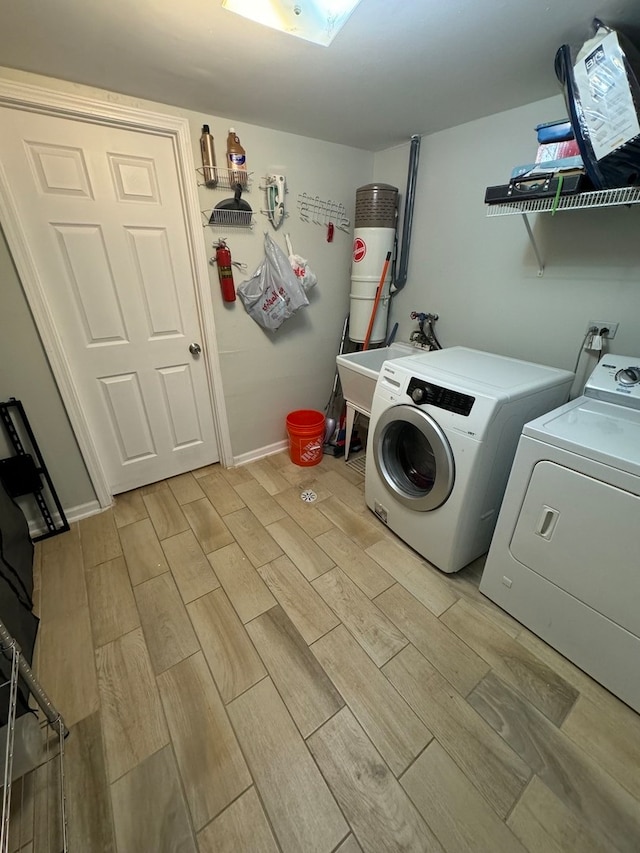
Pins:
x: 554, y: 131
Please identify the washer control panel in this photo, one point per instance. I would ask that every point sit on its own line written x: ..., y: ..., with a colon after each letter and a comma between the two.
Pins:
x: 423, y: 393
x: 616, y: 379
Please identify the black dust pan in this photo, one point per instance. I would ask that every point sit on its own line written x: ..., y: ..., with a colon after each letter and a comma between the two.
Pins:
x: 232, y: 211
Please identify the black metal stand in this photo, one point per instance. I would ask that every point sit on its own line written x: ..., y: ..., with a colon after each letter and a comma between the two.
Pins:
x: 22, y: 474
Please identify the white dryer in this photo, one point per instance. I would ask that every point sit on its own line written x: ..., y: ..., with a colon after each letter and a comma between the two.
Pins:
x: 564, y: 559
x: 443, y: 432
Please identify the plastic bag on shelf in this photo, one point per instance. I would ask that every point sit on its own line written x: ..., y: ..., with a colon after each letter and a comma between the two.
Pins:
x: 601, y: 84
x: 301, y: 268
x: 273, y: 293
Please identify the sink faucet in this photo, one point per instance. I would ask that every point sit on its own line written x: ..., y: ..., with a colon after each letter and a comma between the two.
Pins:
x: 424, y: 337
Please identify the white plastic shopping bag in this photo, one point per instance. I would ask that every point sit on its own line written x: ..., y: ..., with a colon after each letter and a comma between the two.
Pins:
x: 273, y: 293
x: 301, y: 268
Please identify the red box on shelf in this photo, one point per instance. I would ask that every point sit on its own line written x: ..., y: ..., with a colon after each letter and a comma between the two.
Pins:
x: 557, y: 150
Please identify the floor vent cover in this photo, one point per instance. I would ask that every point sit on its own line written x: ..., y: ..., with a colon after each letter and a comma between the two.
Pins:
x: 358, y: 464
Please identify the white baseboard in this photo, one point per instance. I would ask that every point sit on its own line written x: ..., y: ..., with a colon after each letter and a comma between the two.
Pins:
x: 260, y: 453
x: 75, y: 513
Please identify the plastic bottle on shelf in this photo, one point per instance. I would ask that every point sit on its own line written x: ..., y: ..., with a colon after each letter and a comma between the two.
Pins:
x: 236, y: 159
x: 208, y: 157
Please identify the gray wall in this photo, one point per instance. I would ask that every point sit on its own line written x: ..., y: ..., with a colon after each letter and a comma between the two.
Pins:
x: 25, y: 375
x: 264, y: 375
x: 480, y: 274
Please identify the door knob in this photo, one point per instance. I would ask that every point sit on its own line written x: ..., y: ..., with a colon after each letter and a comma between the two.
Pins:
x: 195, y: 349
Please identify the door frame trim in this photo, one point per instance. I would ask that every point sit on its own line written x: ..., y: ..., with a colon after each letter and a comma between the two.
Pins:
x: 35, y: 99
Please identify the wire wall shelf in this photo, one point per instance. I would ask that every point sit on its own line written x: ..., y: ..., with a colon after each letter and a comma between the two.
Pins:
x: 225, y: 179
x: 229, y: 218
x: 579, y: 201
x: 621, y: 196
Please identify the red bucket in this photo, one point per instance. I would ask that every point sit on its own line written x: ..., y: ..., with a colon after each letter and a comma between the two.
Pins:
x: 306, y: 436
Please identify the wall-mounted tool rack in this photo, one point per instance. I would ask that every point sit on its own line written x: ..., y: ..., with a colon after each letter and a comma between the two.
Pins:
x: 321, y: 212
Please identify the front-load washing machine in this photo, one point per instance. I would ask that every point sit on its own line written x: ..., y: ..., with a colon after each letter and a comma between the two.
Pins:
x: 443, y: 432
x: 564, y: 557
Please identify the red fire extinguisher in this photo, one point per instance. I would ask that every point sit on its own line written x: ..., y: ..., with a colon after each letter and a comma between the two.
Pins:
x: 225, y: 273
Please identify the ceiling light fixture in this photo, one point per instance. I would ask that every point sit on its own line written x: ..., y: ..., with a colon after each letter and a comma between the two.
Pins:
x: 318, y: 21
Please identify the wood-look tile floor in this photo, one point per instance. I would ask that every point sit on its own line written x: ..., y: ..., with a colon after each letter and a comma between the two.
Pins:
x: 244, y: 671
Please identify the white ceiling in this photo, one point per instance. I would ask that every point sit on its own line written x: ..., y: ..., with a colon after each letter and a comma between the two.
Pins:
x: 399, y: 66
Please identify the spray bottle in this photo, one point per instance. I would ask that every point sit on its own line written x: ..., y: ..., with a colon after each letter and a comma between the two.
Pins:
x: 208, y: 157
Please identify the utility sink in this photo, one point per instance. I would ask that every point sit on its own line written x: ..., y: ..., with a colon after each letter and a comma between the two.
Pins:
x: 359, y: 371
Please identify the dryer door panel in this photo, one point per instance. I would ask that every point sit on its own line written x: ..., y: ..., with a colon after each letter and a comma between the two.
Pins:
x: 582, y: 535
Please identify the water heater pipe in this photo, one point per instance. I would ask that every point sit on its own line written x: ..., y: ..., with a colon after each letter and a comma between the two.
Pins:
x: 407, y: 221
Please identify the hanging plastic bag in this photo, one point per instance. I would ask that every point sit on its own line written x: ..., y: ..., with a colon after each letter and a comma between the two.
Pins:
x: 273, y: 293
x: 301, y: 268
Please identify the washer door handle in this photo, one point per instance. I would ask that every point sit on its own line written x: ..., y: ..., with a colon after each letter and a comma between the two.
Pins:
x: 547, y: 522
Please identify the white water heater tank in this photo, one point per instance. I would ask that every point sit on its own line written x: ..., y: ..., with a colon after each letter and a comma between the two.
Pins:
x: 373, y: 237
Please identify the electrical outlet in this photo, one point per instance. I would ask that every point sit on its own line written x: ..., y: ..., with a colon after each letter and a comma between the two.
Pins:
x: 603, y: 324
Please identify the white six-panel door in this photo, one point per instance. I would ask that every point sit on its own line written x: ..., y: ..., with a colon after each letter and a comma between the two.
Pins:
x: 103, y: 215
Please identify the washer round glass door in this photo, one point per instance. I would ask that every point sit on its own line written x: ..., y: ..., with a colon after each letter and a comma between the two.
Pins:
x: 413, y: 457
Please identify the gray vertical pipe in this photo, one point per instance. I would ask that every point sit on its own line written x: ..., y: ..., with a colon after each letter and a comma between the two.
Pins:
x: 407, y: 220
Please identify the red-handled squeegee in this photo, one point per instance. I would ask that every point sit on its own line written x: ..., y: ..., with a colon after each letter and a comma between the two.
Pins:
x: 377, y: 301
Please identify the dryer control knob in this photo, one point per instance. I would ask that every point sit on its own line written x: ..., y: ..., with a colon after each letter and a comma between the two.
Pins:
x: 417, y: 395
x: 628, y: 376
